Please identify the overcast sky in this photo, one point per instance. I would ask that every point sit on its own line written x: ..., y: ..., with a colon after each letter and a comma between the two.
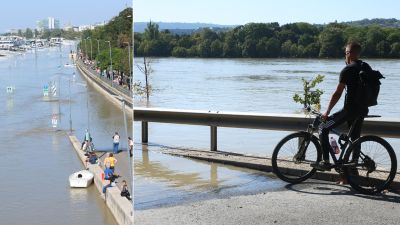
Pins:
x: 235, y: 12
x: 17, y: 14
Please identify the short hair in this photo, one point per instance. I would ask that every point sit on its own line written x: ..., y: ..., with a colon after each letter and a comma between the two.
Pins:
x: 354, y: 47
x: 110, y: 155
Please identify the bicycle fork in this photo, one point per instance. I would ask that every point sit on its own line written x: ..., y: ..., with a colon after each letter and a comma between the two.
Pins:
x: 301, y: 153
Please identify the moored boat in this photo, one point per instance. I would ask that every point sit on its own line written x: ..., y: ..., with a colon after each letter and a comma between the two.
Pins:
x: 81, y: 179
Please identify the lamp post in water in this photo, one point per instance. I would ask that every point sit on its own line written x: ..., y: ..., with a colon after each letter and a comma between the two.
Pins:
x: 126, y: 132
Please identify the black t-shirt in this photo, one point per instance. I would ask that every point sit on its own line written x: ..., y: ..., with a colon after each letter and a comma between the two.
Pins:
x: 350, y: 76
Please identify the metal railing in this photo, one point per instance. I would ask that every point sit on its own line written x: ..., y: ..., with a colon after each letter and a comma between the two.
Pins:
x: 267, y: 121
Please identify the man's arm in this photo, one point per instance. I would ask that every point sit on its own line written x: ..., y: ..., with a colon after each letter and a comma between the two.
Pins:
x: 334, y: 99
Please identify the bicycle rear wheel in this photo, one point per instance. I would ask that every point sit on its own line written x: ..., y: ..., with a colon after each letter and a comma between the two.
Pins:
x: 372, y: 165
x: 293, y: 155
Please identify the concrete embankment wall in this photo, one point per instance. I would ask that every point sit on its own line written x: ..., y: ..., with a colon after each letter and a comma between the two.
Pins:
x: 119, y: 206
x: 108, y: 92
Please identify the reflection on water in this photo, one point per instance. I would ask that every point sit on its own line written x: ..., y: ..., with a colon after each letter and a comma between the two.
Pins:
x: 183, y: 180
x: 10, y: 103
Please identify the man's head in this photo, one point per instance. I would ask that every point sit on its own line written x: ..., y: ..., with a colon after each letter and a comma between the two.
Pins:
x: 353, y: 51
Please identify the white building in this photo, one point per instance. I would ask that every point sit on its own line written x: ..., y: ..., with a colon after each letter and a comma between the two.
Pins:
x: 48, y: 24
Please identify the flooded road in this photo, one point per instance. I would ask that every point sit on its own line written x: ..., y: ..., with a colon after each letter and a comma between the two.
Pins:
x: 163, y: 180
x: 37, y: 158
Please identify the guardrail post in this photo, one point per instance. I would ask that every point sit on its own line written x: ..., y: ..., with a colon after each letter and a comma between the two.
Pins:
x: 213, y: 138
x: 145, y: 132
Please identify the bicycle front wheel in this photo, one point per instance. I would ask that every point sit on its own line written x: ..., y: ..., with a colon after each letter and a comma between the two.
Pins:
x: 293, y: 155
x: 371, y: 165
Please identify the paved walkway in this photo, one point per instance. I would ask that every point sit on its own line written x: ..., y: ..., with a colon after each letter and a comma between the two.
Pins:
x: 313, y: 202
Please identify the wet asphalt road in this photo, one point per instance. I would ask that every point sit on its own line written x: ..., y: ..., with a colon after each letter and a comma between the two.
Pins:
x: 312, y: 202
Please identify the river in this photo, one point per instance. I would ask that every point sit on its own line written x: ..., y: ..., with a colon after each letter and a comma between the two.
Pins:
x: 248, y: 85
x: 37, y: 158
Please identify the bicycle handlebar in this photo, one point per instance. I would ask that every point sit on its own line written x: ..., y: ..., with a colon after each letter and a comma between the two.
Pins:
x: 312, y: 111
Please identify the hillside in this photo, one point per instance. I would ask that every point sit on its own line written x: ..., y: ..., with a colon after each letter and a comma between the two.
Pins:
x: 379, y: 22
x: 180, y: 28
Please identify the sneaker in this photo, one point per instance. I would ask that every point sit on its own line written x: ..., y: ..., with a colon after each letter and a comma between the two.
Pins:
x: 322, y: 165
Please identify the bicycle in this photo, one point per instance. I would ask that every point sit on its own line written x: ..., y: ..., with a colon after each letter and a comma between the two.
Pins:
x: 359, y: 161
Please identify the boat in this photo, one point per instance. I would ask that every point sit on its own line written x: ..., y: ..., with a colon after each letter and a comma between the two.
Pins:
x: 81, y: 179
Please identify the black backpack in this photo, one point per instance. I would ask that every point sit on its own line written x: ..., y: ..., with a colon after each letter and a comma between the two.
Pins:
x: 368, y: 86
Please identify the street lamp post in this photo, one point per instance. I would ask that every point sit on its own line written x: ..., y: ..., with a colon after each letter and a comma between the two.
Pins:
x: 126, y: 132
x: 70, y: 109
x: 85, y: 49
x: 112, y: 73
x: 87, y: 102
x: 91, y: 48
x: 98, y: 47
x: 129, y: 62
x: 133, y: 114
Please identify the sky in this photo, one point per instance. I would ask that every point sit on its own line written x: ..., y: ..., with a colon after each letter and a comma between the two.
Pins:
x: 237, y: 12
x: 17, y: 14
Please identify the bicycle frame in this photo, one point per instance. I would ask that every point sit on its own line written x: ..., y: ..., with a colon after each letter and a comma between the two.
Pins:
x: 344, y: 146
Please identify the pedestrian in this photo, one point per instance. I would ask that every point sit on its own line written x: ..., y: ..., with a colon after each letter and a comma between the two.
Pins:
x: 125, y: 191
x: 108, y: 175
x: 86, y: 139
x: 115, y: 143
x: 130, y: 143
x: 110, y: 161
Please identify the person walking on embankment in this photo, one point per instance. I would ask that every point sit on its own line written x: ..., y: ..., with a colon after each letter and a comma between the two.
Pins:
x: 130, y: 143
x: 115, y: 142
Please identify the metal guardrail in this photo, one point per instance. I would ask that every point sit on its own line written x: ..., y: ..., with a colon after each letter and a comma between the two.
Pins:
x: 285, y: 122
x: 267, y: 121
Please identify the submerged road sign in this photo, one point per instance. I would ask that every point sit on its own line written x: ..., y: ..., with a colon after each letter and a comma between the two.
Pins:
x: 54, y: 121
x: 46, y: 90
x: 10, y: 89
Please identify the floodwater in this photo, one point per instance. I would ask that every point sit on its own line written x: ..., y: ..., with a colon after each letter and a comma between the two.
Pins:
x: 248, y: 85
x: 241, y: 85
x: 37, y: 158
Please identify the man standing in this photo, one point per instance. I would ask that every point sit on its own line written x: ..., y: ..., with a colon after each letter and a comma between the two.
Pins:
x: 352, y: 112
x: 115, y: 143
x: 130, y: 143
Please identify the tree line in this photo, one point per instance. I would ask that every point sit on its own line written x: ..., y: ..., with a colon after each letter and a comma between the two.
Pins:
x: 46, y: 33
x: 116, y: 34
x: 270, y: 40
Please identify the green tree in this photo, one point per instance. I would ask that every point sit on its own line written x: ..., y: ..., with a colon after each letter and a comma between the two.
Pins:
x: 151, y: 32
x: 28, y: 33
x: 395, y: 50
x: 310, y: 96
x: 216, y: 48
x: 180, y: 52
x: 332, y: 42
